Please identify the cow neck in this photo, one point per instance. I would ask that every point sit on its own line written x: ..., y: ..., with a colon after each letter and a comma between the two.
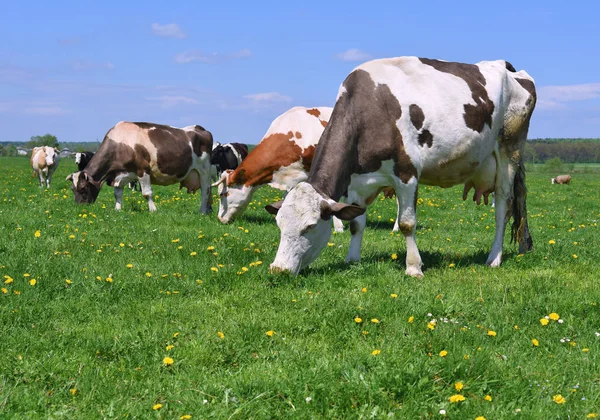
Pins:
x: 101, y: 163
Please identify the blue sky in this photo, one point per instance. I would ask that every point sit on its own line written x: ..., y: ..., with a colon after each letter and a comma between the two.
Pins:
x: 74, y: 69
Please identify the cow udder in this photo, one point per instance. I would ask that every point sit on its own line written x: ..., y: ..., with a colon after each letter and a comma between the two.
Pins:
x: 191, y: 182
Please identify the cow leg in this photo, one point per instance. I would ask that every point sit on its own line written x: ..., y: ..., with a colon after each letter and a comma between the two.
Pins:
x: 503, y: 197
x: 206, y: 203
x: 407, y: 224
x: 357, y: 228
x: 396, y: 226
x: 146, y: 186
x: 118, y: 197
x: 41, y: 178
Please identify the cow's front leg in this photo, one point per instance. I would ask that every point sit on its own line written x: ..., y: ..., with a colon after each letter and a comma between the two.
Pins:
x: 146, y: 186
x: 396, y: 223
x: 118, y: 197
x: 41, y: 178
x: 407, y: 224
x: 357, y: 228
x: 503, y: 196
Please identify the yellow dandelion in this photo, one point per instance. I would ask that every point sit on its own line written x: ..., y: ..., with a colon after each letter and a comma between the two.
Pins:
x: 37, y: 234
x: 552, y: 242
x: 73, y: 391
x: 32, y: 282
x: 375, y: 352
x: 168, y: 361
x: 170, y: 347
x: 364, y: 290
x: 394, y: 295
x: 491, y: 333
x: 148, y: 274
x: 488, y: 398
x: 544, y: 321
x: 26, y: 275
x: 411, y: 319
x: 459, y: 386
x: 193, y: 253
x: 68, y: 281
x: 535, y: 342
x: 4, y: 290
x: 466, y: 357
x: 479, y: 418
x: 176, y: 334
x: 358, y: 320
x: 394, y: 256
x: 456, y: 398
x: 375, y: 321
x: 559, y: 399
x: 220, y: 335
x: 185, y: 417
x: 585, y: 350
x: 129, y: 265
x: 591, y: 416
x: 443, y: 353
x: 214, y: 269
x: 431, y: 325
x: 554, y: 316
x: 575, y: 256
x: 8, y: 280
x: 270, y: 333
x: 451, y: 265
x: 210, y: 248
x: 157, y: 407
x: 330, y: 244
x: 175, y: 240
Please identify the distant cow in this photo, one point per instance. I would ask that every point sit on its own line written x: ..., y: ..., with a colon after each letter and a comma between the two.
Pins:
x: 82, y: 159
x: 228, y: 156
x: 403, y: 121
x: 151, y: 153
x: 44, y: 161
x: 562, y: 179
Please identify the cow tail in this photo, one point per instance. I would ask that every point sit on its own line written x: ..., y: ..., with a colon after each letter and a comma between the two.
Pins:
x: 520, y: 229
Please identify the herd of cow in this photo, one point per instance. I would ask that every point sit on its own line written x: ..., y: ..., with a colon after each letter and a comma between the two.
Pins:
x: 396, y: 123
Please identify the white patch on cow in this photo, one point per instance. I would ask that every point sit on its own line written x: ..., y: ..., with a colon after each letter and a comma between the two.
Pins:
x: 304, y: 233
x: 287, y: 177
x: 124, y: 178
x: 233, y: 200
x: 44, y: 161
x: 77, y: 158
x: 235, y: 152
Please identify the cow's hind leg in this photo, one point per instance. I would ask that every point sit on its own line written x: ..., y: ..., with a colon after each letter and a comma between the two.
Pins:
x: 407, y: 224
x: 146, y: 186
x: 118, y: 197
x: 206, y: 203
x: 396, y: 223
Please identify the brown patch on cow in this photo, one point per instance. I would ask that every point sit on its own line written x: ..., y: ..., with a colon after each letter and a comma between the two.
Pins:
x: 478, y: 115
x: 361, y: 146
x: 273, y: 152
x: 314, y: 112
x: 173, y: 154
x: 529, y: 86
x: 425, y: 137
x: 298, y: 135
x: 416, y: 116
x: 323, y: 123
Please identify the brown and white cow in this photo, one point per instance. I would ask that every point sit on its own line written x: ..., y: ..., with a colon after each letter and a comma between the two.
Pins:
x: 404, y: 121
x: 151, y: 153
x: 282, y: 159
x: 44, y: 161
x: 562, y: 179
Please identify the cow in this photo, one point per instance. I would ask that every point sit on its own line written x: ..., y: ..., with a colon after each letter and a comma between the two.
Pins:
x: 44, y: 161
x: 82, y: 159
x: 228, y: 156
x: 151, y: 154
x: 403, y: 121
x: 561, y: 179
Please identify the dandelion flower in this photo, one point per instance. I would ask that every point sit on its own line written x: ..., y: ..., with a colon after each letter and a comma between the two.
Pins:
x: 394, y: 295
x: 451, y: 265
x: 157, y: 406
x: 443, y: 353
x: 375, y: 352
x: 270, y: 333
x: 535, y: 342
x: 176, y: 334
x: 37, y: 234
x: 456, y: 398
x: 488, y: 398
x: 554, y: 316
x: 185, y: 417
x: 479, y: 418
x: 364, y: 290
x: 575, y: 256
x: 210, y: 248
x: 221, y: 335
x: 491, y: 333
x: 214, y: 269
x: 168, y: 361
x: 148, y: 274
x: 193, y: 253
x: 73, y: 391
x: 32, y: 282
x: 375, y: 321
x: 358, y: 320
x: 26, y: 275
x: 4, y: 290
x: 431, y: 325
x: 559, y: 399
x: 544, y: 321
x: 552, y: 242
x: 170, y: 347
x: 591, y: 416
x: 411, y: 319
x: 129, y: 265
x: 459, y: 386
x: 8, y: 280
x: 394, y: 256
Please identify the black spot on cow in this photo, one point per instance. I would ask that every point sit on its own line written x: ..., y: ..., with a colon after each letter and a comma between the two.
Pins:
x: 425, y: 138
x: 417, y: 117
x: 173, y: 156
x: 476, y: 116
x: 361, y: 134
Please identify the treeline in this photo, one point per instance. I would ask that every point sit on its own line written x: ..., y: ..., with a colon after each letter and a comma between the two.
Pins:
x: 567, y: 150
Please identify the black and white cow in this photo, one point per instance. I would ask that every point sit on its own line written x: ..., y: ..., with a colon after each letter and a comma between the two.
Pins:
x: 82, y: 159
x: 228, y: 156
x: 403, y: 121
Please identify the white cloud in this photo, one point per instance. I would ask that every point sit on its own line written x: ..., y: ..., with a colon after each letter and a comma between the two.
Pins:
x: 171, y: 101
x: 213, y: 58
x: 268, y: 97
x: 570, y: 93
x: 170, y: 30
x: 87, y: 65
x: 353, y: 54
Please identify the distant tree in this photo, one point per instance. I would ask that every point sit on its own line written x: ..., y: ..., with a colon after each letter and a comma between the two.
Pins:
x: 530, y: 153
x: 554, y: 164
x: 45, y: 140
x: 8, y: 150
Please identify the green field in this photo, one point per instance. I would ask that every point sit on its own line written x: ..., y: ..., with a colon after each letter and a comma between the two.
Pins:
x: 115, y: 293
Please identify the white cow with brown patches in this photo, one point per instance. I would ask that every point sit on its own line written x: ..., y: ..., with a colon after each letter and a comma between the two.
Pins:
x: 44, y: 161
x: 561, y: 179
x: 152, y: 154
x: 403, y: 121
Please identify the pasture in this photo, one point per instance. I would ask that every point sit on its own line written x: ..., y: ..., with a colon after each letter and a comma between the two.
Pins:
x: 111, y: 314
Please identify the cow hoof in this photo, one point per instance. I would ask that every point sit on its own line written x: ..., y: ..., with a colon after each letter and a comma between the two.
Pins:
x: 350, y: 260
x: 414, y: 272
x: 494, y: 262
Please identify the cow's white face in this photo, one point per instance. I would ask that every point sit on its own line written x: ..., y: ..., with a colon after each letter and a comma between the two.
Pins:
x: 77, y: 158
x: 51, y: 155
x: 304, y: 219
x: 233, y: 199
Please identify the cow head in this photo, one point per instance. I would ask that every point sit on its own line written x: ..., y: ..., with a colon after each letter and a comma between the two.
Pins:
x: 51, y: 155
x: 217, y: 156
x: 84, y: 187
x: 234, y: 196
x: 304, y: 219
x: 77, y: 158
x: 553, y: 180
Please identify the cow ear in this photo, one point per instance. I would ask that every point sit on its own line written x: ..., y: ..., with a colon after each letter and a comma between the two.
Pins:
x: 89, y: 179
x: 342, y: 211
x: 273, y: 208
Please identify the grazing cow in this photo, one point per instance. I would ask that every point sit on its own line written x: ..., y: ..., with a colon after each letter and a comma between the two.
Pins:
x: 82, y: 159
x: 562, y: 179
x: 403, y: 121
x: 151, y: 153
x: 44, y: 161
x: 228, y: 156
x: 282, y: 159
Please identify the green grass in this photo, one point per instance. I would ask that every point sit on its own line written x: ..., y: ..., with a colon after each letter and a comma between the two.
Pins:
x: 95, y: 349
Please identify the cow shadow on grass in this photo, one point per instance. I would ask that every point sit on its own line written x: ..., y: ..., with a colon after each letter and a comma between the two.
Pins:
x: 255, y: 218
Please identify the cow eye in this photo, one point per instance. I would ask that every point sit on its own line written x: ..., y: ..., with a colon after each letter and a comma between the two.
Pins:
x: 307, y: 228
